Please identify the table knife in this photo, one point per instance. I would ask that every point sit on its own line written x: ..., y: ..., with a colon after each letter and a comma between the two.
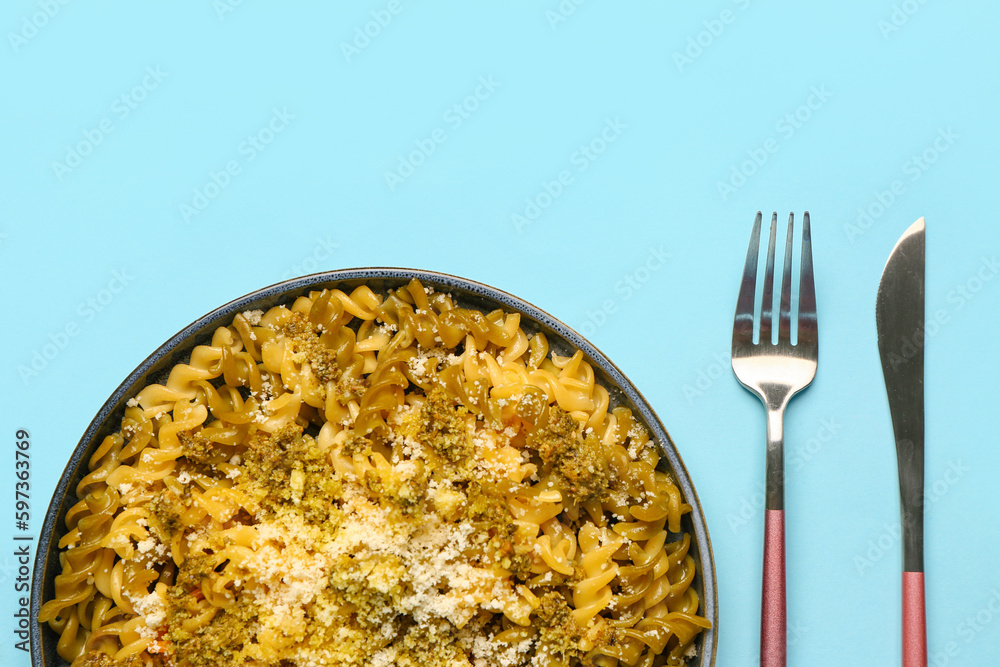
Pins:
x: 899, y: 317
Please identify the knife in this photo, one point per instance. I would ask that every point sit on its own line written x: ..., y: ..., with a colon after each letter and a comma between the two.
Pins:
x: 899, y: 317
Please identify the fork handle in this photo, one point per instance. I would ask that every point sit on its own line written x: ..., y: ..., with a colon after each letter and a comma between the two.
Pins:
x: 772, y: 617
x: 914, y: 621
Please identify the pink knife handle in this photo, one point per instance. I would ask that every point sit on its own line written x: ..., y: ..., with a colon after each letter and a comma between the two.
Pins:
x: 914, y: 621
x: 772, y: 616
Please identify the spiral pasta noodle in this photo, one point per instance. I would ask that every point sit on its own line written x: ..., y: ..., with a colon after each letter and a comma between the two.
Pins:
x: 376, y: 479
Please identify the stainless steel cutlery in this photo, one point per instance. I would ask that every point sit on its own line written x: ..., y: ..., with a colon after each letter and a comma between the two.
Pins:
x: 775, y: 369
x: 899, y: 317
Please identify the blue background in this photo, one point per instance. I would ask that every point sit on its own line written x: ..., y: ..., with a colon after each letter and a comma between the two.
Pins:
x: 867, y: 114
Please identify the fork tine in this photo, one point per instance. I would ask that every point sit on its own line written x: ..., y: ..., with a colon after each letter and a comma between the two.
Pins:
x: 767, y: 303
x: 743, y: 322
x: 807, y: 288
x: 785, y: 310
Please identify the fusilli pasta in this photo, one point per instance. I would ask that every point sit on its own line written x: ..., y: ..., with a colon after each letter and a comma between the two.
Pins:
x: 376, y: 479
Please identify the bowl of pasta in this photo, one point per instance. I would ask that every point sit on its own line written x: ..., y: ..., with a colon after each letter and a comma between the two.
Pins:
x: 375, y: 467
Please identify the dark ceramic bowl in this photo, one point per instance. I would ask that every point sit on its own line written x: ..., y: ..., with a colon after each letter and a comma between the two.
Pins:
x: 155, y: 368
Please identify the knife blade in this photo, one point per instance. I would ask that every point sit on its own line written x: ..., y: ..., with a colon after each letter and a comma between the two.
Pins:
x: 899, y: 318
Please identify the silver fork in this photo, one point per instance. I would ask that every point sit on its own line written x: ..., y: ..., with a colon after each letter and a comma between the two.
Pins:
x: 775, y: 372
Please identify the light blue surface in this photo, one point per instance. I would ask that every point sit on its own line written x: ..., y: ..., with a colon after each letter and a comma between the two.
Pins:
x: 827, y: 107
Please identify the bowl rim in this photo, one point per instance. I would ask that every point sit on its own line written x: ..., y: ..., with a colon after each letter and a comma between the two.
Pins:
x: 178, y: 347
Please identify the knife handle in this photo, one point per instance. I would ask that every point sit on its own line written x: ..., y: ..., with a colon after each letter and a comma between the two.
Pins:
x: 914, y: 620
x: 772, y: 617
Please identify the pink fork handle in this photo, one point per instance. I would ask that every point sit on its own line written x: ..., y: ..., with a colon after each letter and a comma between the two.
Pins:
x: 914, y: 621
x: 772, y: 616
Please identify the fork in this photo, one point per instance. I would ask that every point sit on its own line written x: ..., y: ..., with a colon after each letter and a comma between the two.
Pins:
x: 775, y: 371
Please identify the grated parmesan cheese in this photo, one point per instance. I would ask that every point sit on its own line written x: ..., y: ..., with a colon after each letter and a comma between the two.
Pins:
x: 253, y: 316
